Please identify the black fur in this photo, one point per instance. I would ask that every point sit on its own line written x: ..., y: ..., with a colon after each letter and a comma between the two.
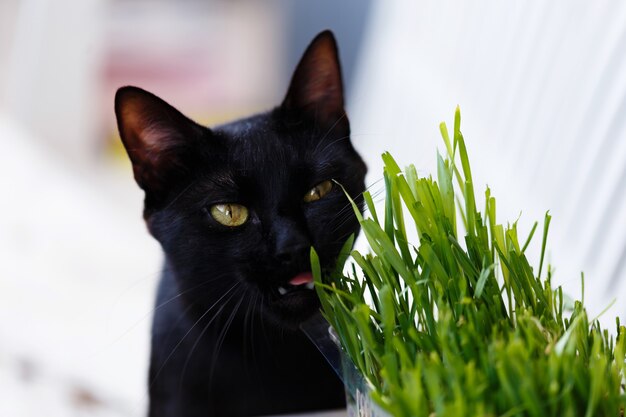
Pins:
x: 224, y: 342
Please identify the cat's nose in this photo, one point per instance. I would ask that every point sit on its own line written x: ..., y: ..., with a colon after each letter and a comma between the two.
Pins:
x: 291, y: 242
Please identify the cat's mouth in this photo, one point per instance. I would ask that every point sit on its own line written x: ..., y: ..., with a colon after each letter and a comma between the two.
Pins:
x: 301, y: 282
x: 293, y: 299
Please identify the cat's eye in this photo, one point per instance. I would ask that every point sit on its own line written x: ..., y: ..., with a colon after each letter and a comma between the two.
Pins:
x: 319, y: 191
x: 229, y: 214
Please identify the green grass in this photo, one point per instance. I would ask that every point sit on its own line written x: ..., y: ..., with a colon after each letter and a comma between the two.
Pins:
x: 462, y: 324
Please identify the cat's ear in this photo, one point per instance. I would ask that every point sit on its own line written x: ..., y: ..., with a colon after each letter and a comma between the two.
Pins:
x: 157, y: 137
x: 316, y: 87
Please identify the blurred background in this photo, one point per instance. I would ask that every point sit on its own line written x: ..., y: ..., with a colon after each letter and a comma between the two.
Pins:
x: 542, y: 89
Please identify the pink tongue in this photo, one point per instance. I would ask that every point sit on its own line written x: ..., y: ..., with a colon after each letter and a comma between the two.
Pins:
x: 302, y: 278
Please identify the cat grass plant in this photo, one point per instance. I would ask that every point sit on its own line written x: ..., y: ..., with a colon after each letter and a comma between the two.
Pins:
x: 462, y: 324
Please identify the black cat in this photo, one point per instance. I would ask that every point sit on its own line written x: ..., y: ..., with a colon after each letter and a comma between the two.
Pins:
x: 236, y: 209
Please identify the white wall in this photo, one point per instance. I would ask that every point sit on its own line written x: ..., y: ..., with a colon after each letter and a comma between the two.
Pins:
x: 51, y: 59
x: 542, y: 91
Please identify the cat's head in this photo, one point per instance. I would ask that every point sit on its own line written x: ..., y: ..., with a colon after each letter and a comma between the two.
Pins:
x: 237, y: 207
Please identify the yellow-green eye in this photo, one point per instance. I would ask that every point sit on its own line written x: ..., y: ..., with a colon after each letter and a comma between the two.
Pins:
x: 319, y: 191
x: 229, y: 214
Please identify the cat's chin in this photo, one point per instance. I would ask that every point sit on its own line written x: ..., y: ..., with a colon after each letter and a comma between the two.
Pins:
x: 292, y: 308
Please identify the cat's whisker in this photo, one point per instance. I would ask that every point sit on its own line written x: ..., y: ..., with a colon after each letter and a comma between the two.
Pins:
x: 263, y: 329
x: 244, y: 336
x: 347, y: 209
x: 330, y: 144
x: 258, y: 300
x: 139, y: 281
x: 154, y: 310
x: 222, y: 337
x: 376, y: 183
x: 338, y: 226
x: 205, y: 328
x: 179, y: 195
x: 332, y: 127
x: 368, y: 188
x: 120, y: 296
x: 379, y: 195
x: 132, y: 286
x: 248, y: 324
x: 217, y: 277
x: 346, y: 213
x: 165, y: 362
x: 257, y: 297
